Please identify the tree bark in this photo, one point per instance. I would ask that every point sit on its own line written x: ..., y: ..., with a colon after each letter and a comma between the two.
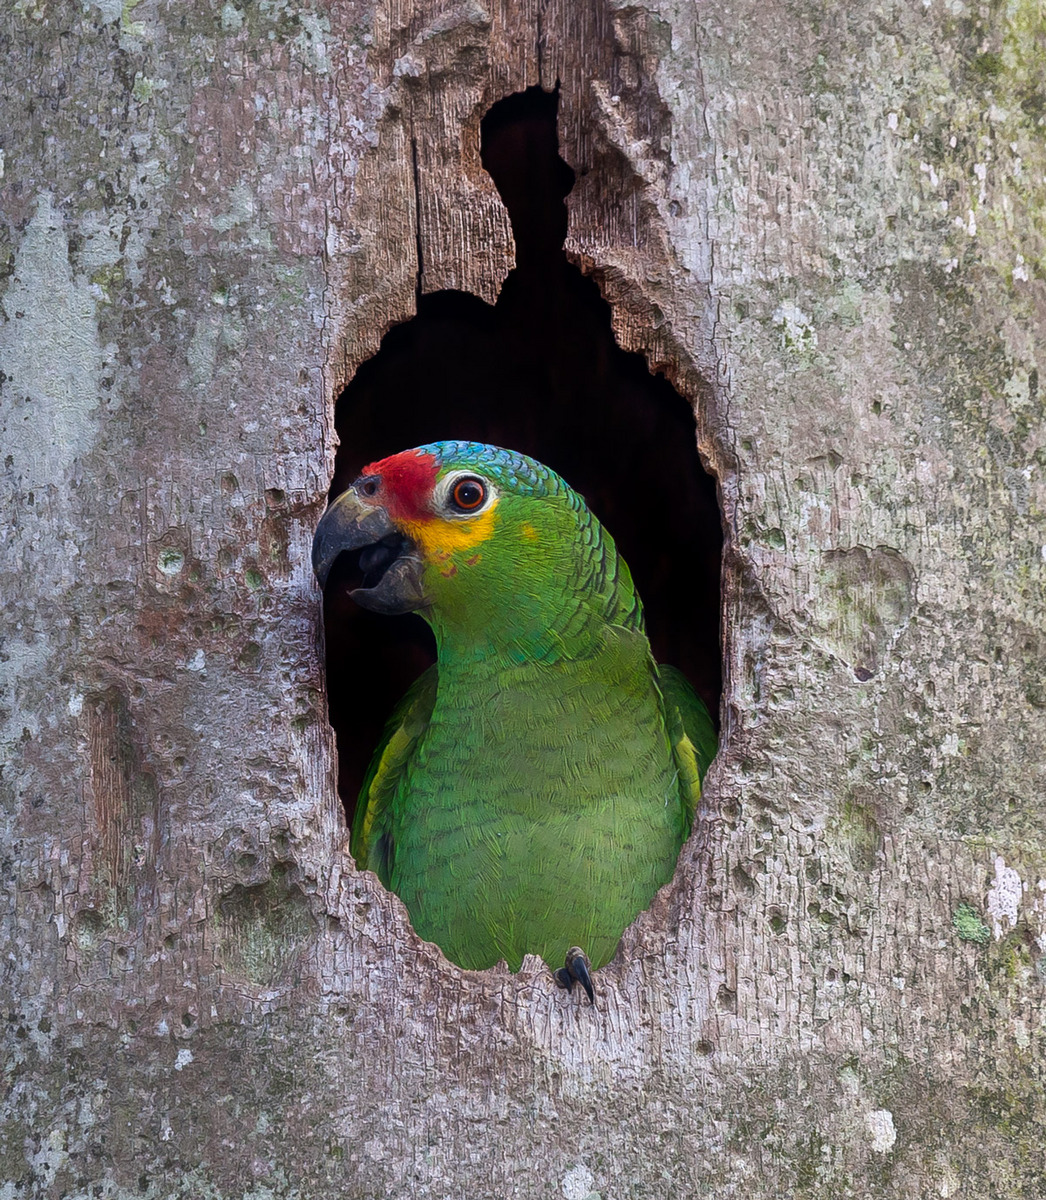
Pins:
x: 825, y: 224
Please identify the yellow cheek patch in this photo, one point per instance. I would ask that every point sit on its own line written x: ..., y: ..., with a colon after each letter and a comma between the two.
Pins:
x: 440, y: 539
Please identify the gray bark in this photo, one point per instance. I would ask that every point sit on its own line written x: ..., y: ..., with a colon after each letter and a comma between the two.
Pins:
x: 825, y: 223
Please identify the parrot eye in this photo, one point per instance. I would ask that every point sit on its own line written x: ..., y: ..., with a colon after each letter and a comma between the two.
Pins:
x: 468, y: 494
x: 368, y: 486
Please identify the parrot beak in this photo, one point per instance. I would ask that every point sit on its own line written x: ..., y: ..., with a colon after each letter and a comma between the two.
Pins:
x: 388, y: 563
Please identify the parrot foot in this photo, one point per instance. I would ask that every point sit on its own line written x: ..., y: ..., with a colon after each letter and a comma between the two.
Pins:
x: 577, y: 969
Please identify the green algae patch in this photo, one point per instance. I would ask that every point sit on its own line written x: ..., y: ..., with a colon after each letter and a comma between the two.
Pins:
x: 967, y: 923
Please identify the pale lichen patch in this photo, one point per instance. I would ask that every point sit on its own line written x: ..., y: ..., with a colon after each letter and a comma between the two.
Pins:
x: 111, y: 10
x: 881, y: 1127
x: 798, y: 334
x: 578, y: 1184
x: 51, y: 355
x: 1004, y: 898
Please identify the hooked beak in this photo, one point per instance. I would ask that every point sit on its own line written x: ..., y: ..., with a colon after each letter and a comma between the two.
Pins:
x: 388, y: 566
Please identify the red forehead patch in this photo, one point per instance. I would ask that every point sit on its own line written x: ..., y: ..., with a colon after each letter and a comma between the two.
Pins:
x: 408, y: 478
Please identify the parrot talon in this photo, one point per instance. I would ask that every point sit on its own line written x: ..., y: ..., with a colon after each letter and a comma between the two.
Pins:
x: 577, y: 969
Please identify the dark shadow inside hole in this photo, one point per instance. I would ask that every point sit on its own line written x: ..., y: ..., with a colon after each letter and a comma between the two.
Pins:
x: 538, y: 372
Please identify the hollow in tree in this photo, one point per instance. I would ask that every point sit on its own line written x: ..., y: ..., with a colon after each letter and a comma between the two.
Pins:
x: 538, y: 796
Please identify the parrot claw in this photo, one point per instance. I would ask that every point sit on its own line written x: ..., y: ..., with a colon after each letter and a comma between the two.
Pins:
x: 577, y: 969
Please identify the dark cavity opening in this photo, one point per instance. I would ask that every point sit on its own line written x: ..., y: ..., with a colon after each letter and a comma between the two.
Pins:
x: 538, y: 372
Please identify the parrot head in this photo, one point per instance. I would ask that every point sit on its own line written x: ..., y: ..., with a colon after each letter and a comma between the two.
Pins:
x: 474, y: 537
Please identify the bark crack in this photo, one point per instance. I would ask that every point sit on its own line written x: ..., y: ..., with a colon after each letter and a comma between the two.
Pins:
x: 417, y: 220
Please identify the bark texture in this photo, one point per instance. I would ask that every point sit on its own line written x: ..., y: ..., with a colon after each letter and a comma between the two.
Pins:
x: 826, y: 223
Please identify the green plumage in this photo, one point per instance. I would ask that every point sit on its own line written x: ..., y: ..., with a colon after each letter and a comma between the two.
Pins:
x: 533, y: 789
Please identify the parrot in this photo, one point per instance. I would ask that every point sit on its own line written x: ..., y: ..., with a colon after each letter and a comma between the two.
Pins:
x: 532, y: 790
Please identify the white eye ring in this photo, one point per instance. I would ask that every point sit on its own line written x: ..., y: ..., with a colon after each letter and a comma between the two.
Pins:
x: 445, y: 500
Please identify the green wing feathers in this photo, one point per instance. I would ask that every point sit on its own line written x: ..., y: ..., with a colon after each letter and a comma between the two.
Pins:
x: 691, y: 732
x: 371, y: 845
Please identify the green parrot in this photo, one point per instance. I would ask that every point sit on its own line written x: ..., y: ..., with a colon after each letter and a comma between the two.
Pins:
x: 532, y: 790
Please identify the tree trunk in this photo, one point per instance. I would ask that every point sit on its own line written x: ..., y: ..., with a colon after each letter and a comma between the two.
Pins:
x: 825, y: 224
